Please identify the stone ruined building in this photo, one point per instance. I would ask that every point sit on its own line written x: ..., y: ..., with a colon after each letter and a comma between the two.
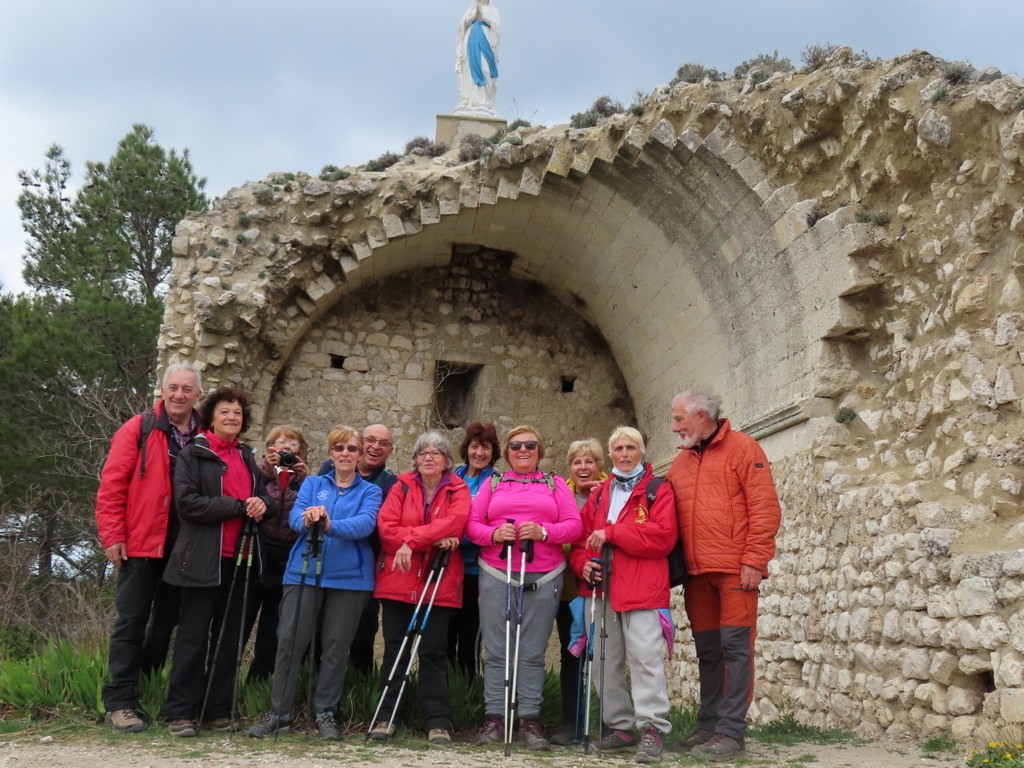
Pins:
x: 730, y: 237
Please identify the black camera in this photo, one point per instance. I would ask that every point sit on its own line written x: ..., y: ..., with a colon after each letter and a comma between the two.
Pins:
x: 287, y: 458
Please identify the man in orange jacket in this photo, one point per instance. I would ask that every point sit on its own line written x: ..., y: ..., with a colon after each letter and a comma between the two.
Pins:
x: 136, y: 522
x: 728, y: 514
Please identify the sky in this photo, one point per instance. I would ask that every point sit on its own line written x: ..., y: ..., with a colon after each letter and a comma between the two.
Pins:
x: 256, y: 88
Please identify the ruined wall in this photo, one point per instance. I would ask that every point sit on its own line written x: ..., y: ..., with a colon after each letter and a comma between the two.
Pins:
x: 837, y: 252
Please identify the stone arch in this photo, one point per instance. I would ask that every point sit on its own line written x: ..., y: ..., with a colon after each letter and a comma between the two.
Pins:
x: 695, y: 269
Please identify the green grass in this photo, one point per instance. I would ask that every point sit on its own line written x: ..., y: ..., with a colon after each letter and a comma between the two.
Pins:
x: 787, y: 731
x: 938, y: 745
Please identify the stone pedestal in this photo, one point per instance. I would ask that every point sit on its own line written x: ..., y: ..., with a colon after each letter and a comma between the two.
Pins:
x: 452, y: 128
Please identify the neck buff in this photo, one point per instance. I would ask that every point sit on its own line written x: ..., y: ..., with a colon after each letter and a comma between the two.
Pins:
x: 628, y: 481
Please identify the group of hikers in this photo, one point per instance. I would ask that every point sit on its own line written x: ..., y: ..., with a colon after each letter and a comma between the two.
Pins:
x: 457, y: 562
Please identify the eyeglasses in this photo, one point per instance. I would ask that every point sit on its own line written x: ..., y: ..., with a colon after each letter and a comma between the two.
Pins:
x: 385, y: 444
x: 343, y: 448
x: 429, y: 455
x: 530, y: 445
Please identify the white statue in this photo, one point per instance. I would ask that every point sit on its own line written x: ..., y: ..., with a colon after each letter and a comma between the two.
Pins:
x: 476, y: 59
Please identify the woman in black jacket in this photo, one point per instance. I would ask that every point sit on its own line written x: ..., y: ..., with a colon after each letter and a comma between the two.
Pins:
x: 218, y: 490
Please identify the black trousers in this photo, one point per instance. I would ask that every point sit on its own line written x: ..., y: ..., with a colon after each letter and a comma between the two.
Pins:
x: 147, y: 610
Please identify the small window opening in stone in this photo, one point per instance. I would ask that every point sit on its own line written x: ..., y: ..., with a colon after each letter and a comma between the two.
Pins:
x: 455, y: 387
x: 987, y: 681
x: 337, y: 361
x: 568, y: 383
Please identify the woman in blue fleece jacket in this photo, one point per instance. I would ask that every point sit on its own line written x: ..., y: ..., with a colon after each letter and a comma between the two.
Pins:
x: 343, y: 506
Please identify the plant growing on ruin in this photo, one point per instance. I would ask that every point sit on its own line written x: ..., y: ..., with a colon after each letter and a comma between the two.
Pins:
x: 695, y: 72
x: 243, y: 219
x: 941, y: 94
x: 518, y: 123
x: 763, y: 66
x: 604, y: 107
x: 636, y: 106
x: 333, y: 173
x: 878, y: 218
x: 997, y: 754
x: 934, y: 746
x: 383, y: 162
x: 472, y: 147
x: 815, y: 56
x: 283, y: 178
x: 957, y: 72
x: 264, y: 195
x: 788, y: 730
x: 817, y: 213
x: 421, y: 145
x: 845, y: 415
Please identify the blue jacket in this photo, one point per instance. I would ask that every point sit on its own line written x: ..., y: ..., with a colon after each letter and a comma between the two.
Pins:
x: 346, y: 559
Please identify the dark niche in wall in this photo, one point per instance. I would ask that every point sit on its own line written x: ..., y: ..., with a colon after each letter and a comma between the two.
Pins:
x: 455, y: 393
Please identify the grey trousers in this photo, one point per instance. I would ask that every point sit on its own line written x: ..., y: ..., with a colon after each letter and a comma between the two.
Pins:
x: 341, y: 610
x: 539, y: 608
x: 634, y: 637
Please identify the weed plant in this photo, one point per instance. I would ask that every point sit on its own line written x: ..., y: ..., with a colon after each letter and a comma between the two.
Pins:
x: 997, y: 754
x: 815, y: 56
x: 935, y: 746
x: 695, y: 72
x: 878, y: 218
x: 787, y: 731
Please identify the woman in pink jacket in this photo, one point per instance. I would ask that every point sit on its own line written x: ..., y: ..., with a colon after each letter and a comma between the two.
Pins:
x: 523, y: 504
x: 425, y: 510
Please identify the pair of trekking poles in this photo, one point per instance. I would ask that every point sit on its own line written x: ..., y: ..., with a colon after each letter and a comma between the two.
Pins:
x: 244, y: 556
x: 600, y: 585
x: 512, y: 679
x: 414, y: 632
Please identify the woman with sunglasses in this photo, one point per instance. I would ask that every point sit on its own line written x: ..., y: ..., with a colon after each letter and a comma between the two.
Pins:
x: 424, y: 512
x: 333, y: 515
x: 522, y: 505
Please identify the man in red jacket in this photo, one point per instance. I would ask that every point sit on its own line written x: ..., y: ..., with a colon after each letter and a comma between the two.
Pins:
x: 728, y: 514
x: 137, y: 524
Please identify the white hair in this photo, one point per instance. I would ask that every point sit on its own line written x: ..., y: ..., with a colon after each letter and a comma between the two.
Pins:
x: 176, y: 367
x: 695, y: 400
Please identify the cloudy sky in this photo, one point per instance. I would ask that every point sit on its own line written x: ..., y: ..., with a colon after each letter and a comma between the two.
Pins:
x: 254, y: 88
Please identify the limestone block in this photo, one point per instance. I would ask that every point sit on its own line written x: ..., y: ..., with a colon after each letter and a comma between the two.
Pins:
x: 933, y: 129
x: 973, y: 665
x: 976, y: 596
x: 1011, y: 705
x: 1016, y: 625
x: 972, y: 296
x: 929, y: 514
x: 937, y: 541
x: 916, y: 662
x: 1013, y: 564
x: 1004, y: 391
x: 967, y: 635
x: 943, y: 668
x: 1001, y: 94
x: 356, y: 364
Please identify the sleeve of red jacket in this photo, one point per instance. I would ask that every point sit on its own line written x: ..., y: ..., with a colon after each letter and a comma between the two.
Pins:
x: 763, y: 508
x: 579, y: 554
x: 450, y: 521
x: 112, y: 496
x: 653, y: 539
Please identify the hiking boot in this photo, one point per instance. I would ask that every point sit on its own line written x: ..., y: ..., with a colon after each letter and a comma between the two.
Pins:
x: 327, y: 727
x: 221, y: 724
x: 697, y: 737
x: 268, y: 723
x: 493, y: 731
x: 650, y: 747
x: 565, y: 736
x: 125, y: 721
x: 532, y: 734
x: 718, y: 748
x: 613, y: 741
x: 382, y: 731
x: 185, y: 728
x: 439, y: 736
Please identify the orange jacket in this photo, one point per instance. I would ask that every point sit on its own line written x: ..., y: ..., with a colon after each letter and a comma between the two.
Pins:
x: 726, y: 503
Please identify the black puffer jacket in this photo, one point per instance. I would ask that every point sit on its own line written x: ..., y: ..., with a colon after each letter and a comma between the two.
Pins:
x: 202, y: 510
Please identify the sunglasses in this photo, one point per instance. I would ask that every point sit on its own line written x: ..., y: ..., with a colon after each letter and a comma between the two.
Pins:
x: 343, y: 448
x: 530, y: 445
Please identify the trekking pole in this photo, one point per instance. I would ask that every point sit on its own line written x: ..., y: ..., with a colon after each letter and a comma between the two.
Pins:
x: 248, y: 529
x: 606, y: 583
x: 316, y: 542
x: 313, y: 540
x: 507, y: 557
x: 413, y: 630
x: 590, y: 657
x: 526, y: 547
x: 243, y: 540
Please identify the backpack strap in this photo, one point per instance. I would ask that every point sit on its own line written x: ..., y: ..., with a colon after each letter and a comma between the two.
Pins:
x: 148, y: 420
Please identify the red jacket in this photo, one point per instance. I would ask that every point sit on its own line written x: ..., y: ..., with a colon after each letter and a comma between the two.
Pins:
x: 130, y: 508
x: 402, y: 520
x: 641, y: 539
x: 728, y: 509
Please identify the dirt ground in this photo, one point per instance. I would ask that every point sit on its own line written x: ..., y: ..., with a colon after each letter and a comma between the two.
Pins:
x: 97, y: 748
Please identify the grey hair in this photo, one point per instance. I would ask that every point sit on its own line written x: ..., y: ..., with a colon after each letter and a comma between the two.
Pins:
x: 630, y: 433
x: 700, y: 401
x: 434, y: 440
x: 176, y: 367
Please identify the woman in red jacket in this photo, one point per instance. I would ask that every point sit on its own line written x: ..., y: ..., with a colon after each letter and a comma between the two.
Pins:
x: 425, y: 510
x: 639, y: 535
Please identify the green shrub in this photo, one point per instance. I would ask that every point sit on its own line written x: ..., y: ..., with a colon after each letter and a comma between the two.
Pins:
x: 243, y: 219
x: 936, y: 745
x: 787, y: 730
x: 997, y: 754
x: 815, y: 56
x: 385, y: 161
x: 817, y: 213
x: 333, y: 173
x: 695, y: 72
x: 603, y: 107
x: 421, y: 145
x: 472, y: 147
x: 878, y: 218
x: 518, y: 123
x: 264, y: 195
x: 941, y: 94
x: 957, y: 72
x: 766, y: 64
x: 283, y: 178
x: 845, y: 415
x: 18, y: 643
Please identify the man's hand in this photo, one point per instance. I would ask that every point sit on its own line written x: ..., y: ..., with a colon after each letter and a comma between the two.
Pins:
x: 117, y: 553
x: 750, y: 577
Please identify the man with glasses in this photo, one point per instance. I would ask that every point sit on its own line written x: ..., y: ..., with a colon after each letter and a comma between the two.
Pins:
x: 378, y: 445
